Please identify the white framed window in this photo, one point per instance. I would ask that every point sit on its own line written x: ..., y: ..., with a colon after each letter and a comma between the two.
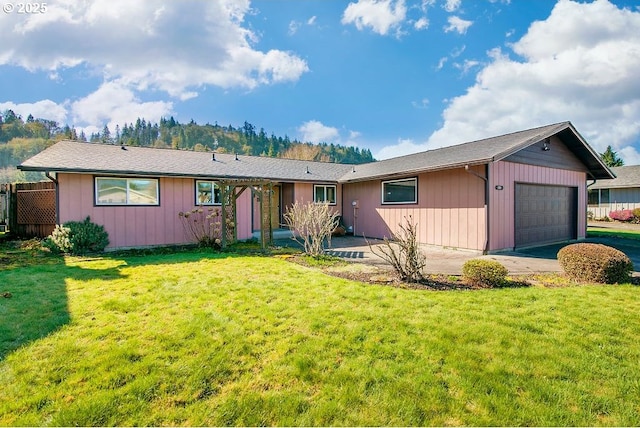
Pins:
x: 207, y: 193
x: 324, y: 193
x: 127, y: 191
x: 403, y: 191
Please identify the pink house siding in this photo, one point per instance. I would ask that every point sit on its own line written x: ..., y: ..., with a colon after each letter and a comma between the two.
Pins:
x: 138, y: 226
x: 450, y: 211
x: 502, y: 212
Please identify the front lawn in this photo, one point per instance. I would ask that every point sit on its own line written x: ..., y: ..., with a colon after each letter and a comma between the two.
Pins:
x: 198, y: 339
x: 613, y: 232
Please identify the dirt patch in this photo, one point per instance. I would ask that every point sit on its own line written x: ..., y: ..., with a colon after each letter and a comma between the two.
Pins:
x: 382, y: 275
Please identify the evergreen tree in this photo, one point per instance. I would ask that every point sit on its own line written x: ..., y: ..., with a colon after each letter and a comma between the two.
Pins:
x: 610, y: 158
x: 106, y: 135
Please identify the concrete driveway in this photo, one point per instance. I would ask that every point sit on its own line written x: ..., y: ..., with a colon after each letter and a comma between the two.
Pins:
x: 449, y: 262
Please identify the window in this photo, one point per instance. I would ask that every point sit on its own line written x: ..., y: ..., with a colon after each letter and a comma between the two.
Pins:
x: 127, y: 191
x: 400, y: 191
x: 207, y: 193
x: 598, y: 197
x: 325, y: 194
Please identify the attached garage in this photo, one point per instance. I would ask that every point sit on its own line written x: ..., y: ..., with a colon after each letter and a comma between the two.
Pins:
x: 545, y: 213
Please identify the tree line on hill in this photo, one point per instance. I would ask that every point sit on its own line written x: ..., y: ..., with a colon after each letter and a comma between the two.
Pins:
x: 22, y: 138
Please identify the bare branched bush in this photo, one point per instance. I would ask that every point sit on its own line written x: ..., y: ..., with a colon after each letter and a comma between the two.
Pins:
x: 312, y: 224
x: 203, y: 226
x: 403, y: 252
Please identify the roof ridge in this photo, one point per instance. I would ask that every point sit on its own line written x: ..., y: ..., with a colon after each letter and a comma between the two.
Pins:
x: 169, y: 149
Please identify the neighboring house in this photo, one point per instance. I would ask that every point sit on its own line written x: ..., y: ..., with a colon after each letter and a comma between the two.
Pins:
x: 620, y: 193
x: 520, y: 189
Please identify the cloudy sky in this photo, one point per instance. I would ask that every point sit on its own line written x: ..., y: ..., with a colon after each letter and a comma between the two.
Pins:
x: 393, y: 76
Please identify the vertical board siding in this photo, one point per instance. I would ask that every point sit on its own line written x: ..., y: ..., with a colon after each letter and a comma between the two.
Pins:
x: 139, y: 226
x: 502, y: 211
x: 450, y: 210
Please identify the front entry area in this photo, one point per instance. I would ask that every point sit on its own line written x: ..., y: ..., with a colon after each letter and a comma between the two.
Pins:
x: 545, y: 214
x: 274, y: 205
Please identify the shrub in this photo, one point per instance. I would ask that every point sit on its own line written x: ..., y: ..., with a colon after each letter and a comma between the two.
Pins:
x: 204, y: 226
x: 403, y: 252
x: 636, y: 215
x: 484, y: 273
x: 78, y: 237
x: 59, y: 240
x: 312, y: 224
x: 599, y: 263
x: 621, y: 215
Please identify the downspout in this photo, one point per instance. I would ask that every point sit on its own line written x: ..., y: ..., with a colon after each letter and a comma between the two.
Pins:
x: 55, y: 182
x: 586, y: 214
x: 486, y: 203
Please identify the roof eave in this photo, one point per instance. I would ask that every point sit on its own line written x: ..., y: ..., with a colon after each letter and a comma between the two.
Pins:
x: 414, y: 171
x: 170, y: 174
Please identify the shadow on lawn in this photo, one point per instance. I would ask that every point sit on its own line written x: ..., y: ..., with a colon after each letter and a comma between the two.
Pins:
x: 37, y: 303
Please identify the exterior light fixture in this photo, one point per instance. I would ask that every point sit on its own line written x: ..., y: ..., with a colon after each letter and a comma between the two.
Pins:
x: 545, y: 145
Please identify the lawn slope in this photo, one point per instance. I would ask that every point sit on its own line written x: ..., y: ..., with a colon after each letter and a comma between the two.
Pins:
x: 197, y: 339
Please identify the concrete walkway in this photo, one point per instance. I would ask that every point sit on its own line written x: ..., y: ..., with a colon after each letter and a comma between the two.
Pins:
x: 449, y: 261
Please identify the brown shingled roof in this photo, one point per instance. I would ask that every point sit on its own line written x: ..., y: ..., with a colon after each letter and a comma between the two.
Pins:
x: 626, y: 176
x: 71, y: 156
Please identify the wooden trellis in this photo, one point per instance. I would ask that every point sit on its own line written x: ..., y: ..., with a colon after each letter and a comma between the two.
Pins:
x: 32, y: 209
x: 230, y: 191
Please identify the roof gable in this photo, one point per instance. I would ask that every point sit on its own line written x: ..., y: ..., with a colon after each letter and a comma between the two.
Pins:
x: 481, y: 152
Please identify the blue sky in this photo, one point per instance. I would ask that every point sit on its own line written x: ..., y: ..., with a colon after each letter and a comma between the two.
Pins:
x: 393, y: 76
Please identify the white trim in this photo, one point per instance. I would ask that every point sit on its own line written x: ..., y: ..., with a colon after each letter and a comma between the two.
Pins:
x: 214, y: 186
x: 415, y: 191
x: 325, y: 186
x: 128, y: 192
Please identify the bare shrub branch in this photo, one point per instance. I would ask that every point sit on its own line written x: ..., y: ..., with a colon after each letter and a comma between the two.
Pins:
x: 403, y: 252
x: 312, y: 224
x: 203, y: 226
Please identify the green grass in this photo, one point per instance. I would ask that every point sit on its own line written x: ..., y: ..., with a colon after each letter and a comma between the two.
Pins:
x: 600, y: 232
x: 198, y: 339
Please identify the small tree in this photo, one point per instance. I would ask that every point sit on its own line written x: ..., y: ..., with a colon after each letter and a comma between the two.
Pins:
x: 312, y: 224
x: 403, y: 252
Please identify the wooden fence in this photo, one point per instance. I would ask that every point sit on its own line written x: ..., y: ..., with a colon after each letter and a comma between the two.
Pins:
x: 32, y: 209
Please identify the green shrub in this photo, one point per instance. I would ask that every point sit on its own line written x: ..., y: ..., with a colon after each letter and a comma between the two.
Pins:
x: 59, y: 240
x: 78, y: 237
x: 636, y: 215
x: 599, y: 263
x: 484, y: 273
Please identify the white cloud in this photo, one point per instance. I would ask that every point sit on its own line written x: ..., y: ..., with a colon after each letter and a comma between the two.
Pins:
x: 112, y: 104
x: 467, y: 65
x: 452, y: 5
x: 314, y: 131
x: 115, y: 104
x: 457, y: 24
x: 45, y: 109
x: 379, y: 15
x: 422, y: 104
x: 421, y: 24
x: 173, y: 46
x: 403, y: 147
x: 294, y: 26
x: 580, y: 64
x: 442, y: 62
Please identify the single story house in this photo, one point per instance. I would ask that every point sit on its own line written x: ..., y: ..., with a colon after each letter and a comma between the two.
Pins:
x: 521, y: 189
x: 620, y: 193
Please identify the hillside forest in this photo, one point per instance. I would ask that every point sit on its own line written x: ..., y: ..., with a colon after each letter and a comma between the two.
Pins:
x: 22, y: 138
